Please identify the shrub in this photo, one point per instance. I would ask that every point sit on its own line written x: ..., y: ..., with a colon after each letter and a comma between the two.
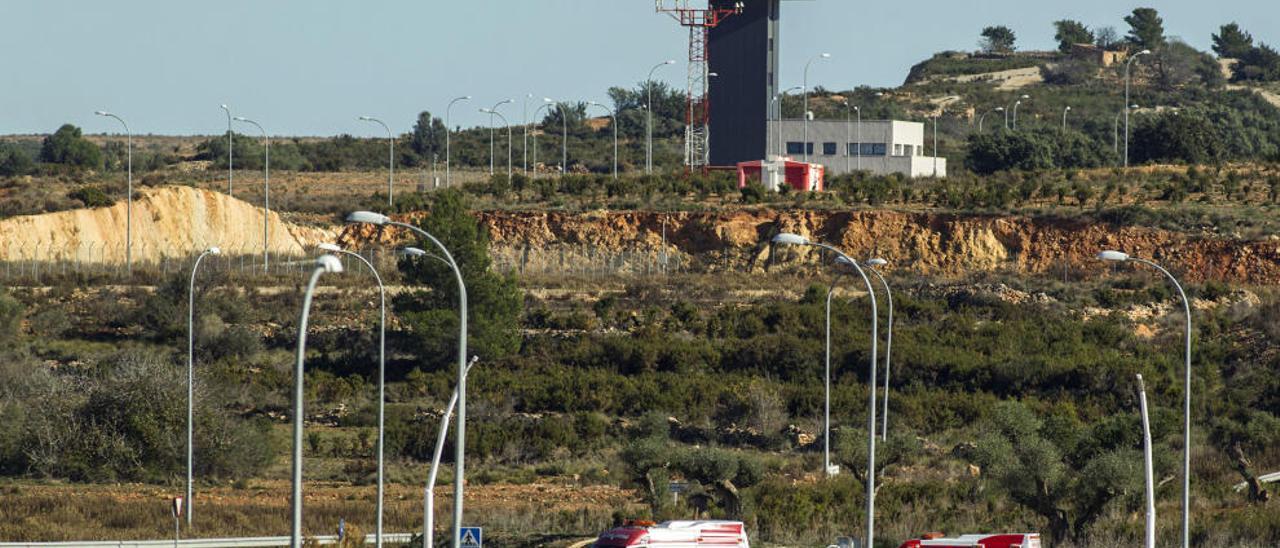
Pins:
x: 91, y: 196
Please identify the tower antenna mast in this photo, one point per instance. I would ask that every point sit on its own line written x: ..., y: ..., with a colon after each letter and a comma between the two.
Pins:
x: 697, y: 115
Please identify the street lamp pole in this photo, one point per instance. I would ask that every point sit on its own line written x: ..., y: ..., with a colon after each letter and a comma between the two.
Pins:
x: 564, y: 138
x: 429, y: 494
x: 1014, y: 108
x: 128, y: 209
x: 535, y: 140
x: 612, y: 114
x: 459, y: 485
x: 984, y: 117
x: 859, y: 109
x: 1064, y: 117
x: 325, y: 263
x: 1148, y: 474
x: 648, y: 139
x: 1186, y: 409
x: 935, y: 142
x: 230, y: 134
x: 805, y: 87
x: 382, y: 376
x: 447, y: 131
x: 491, y: 112
x: 524, y: 143
x: 776, y: 103
x: 1115, y: 129
x: 888, y: 344
x: 391, y: 159
x: 796, y: 239
x: 266, y: 188
x: 191, y: 371
x: 848, y: 134
x: 1127, y: 66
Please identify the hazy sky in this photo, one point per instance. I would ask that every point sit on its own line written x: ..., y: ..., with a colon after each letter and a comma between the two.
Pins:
x: 310, y: 67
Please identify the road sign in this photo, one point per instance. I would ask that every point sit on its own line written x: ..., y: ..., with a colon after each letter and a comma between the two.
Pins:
x: 472, y: 537
x: 177, y: 506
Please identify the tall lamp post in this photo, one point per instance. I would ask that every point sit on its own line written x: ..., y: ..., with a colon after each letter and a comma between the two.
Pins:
x: 230, y: 134
x: 564, y: 138
x: 191, y: 370
x: 1064, y: 117
x: 524, y: 143
x: 806, y: 103
x: 448, y: 180
x: 535, y: 139
x: 1148, y: 475
x: 1014, y: 107
x: 648, y: 130
x: 1118, y: 256
x: 377, y: 219
x: 871, y: 265
x: 382, y: 376
x: 796, y: 239
x: 1127, y: 66
x: 984, y: 116
x: 858, y: 108
x: 324, y: 264
x: 848, y: 134
x: 391, y: 159
x: 429, y: 494
x: 128, y: 207
x: 935, y: 142
x: 1115, y: 128
x: 266, y: 187
x: 491, y: 114
x: 776, y: 104
x: 612, y: 114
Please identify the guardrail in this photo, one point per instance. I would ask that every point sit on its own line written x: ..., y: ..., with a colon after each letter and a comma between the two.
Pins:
x: 244, y: 542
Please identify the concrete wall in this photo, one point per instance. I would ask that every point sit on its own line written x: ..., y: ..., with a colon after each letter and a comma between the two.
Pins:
x: 903, y: 146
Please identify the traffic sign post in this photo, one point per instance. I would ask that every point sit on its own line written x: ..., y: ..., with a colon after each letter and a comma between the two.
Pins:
x: 177, y: 521
x: 472, y: 537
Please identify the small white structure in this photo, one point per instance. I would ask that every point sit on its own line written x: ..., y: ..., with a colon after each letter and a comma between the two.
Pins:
x: 885, y: 146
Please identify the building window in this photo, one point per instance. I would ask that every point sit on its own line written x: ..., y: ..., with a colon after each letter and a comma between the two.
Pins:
x: 908, y: 150
x: 796, y: 147
x: 828, y: 149
x: 873, y: 149
x: 897, y: 150
x: 920, y: 150
x: 851, y: 149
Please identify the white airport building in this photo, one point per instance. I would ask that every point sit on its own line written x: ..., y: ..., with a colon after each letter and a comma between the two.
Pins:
x: 878, y: 146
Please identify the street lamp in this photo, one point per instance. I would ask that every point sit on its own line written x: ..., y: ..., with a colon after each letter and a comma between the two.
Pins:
x: 1117, y: 256
x: 524, y: 143
x: 230, y: 134
x: 266, y: 188
x: 128, y: 209
x: 871, y: 265
x: 848, y: 132
x: 796, y: 239
x: 382, y: 375
x: 391, y: 159
x: 491, y: 114
x: 323, y: 264
x: 1127, y: 65
x: 535, y: 139
x: 1014, y: 108
x: 1148, y: 474
x: 648, y: 139
x: 369, y: 217
x: 1064, y: 117
x: 806, y: 103
x: 935, y: 141
x: 564, y: 140
x: 191, y: 375
x: 859, y: 110
x: 1115, y: 128
x: 984, y: 116
x: 613, y: 114
x: 447, y: 130
x: 776, y: 105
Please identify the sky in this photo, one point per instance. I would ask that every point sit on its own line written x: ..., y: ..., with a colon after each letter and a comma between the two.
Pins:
x: 311, y: 67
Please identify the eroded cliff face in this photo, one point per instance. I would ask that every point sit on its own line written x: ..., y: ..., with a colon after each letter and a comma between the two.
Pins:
x: 934, y: 243
x: 167, y: 221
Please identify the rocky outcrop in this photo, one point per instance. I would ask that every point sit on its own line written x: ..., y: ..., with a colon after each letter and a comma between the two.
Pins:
x: 935, y: 243
x: 167, y: 221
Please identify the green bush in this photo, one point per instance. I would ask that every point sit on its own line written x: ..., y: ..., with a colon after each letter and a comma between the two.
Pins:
x: 91, y: 196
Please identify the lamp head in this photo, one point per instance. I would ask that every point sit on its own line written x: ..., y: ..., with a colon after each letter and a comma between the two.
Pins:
x: 213, y: 250
x: 486, y: 110
x: 877, y: 261
x: 329, y: 247
x: 1144, y: 52
x: 1025, y: 96
x: 225, y: 107
x: 1117, y: 256
x: 467, y: 97
x: 365, y: 119
x: 826, y: 56
x: 999, y: 109
x: 368, y: 217
x: 669, y: 62
x: 240, y: 119
x: 841, y: 260
x: 1068, y: 107
x: 789, y: 238
x: 329, y: 263
x: 102, y: 113
x: 548, y: 100
x: 1134, y: 106
x: 412, y: 252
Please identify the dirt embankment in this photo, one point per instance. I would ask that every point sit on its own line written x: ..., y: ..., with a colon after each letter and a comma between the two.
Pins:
x: 167, y: 221
x: 924, y: 242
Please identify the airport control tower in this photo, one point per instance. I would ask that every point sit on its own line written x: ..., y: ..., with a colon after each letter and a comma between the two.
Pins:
x: 743, y: 53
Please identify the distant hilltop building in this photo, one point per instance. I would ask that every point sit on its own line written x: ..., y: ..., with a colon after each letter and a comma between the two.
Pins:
x: 1099, y: 56
x: 886, y: 146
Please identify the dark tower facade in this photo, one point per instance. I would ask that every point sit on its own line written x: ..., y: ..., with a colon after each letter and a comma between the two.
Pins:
x: 743, y: 52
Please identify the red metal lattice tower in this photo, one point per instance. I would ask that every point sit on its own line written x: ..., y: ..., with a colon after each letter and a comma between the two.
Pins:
x: 697, y: 115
